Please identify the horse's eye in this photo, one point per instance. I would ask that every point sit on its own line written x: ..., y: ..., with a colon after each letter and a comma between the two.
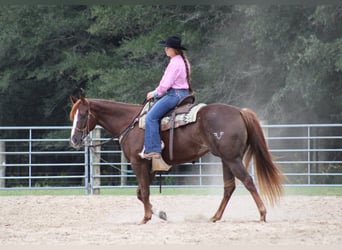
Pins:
x: 83, y: 116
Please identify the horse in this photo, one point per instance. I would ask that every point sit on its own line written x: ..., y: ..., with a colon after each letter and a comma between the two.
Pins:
x: 231, y: 133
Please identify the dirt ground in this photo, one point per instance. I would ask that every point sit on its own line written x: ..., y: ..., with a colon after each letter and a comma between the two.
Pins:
x: 113, y: 220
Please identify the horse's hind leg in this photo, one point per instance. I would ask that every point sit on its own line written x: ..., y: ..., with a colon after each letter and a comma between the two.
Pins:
x: 237, y: 168
x: 229, y: 187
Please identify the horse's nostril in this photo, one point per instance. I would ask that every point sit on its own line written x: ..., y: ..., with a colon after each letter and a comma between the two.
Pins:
x: 74, y: 142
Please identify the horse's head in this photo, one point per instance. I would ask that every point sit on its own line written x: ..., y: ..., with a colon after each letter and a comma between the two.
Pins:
x: 83, y: 121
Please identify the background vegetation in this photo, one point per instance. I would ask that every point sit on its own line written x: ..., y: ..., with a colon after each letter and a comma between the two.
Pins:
x: 284, y: 61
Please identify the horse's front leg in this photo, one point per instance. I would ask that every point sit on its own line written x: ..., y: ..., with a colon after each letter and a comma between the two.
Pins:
x: 149, y: 209
x: 143, y: 195
x: 144, y: 178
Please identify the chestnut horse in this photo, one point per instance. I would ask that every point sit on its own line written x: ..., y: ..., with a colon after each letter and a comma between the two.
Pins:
x: 231, y: 133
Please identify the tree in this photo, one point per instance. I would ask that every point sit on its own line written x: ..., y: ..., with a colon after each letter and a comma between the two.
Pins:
x: 37, y: 60
x: 284, y: 61
x: 304, y: 43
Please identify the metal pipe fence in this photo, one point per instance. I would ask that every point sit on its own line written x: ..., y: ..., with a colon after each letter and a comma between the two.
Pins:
x: 41, y: 158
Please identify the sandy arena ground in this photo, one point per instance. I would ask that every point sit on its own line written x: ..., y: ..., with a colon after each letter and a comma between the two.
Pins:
x: 113, y: 220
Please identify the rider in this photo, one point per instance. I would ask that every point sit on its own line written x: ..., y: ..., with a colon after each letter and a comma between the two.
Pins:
x: 174, y: 85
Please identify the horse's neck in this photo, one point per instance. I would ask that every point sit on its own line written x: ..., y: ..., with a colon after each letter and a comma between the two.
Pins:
x: 112, y: 116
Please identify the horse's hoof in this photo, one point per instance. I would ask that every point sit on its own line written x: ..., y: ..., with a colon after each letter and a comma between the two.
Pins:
x: 162, y: 215
x: 144, y: 221
x: 263, y: 216
x: 213, y: 219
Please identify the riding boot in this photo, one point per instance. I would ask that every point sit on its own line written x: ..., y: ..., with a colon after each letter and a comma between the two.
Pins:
x: 158, y: 164
x: 148, y: 156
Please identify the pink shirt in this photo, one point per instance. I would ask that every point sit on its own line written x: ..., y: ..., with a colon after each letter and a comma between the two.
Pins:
x: 174, y: 76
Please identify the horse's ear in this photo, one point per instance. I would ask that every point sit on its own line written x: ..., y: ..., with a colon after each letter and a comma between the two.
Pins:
x: 83, y: 100
x: 73, y: 99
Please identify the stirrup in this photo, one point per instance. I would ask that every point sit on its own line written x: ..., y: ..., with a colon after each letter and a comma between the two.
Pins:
x: 158, y: 164
x: 148, y: 156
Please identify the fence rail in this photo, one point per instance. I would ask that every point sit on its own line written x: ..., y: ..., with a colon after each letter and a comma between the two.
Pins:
x: 41, y: 158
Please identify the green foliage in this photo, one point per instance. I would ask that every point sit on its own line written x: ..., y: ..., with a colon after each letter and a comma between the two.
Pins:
x: 36, y: 42
x: 311, y: 89
x: 283, y: 61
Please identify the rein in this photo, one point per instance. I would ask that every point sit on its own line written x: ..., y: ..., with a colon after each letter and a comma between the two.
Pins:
x: 123, y: 133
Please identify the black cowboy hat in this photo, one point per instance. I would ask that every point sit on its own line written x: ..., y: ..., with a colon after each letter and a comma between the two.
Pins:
x: 173, y: 41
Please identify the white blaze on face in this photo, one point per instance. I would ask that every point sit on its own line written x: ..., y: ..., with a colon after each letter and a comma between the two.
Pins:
x: 74, y: 124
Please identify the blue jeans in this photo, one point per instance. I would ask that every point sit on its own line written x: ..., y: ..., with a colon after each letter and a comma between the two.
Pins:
x: 159, y: 109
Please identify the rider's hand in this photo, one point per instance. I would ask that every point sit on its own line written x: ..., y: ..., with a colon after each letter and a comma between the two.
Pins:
x: 150, y: 95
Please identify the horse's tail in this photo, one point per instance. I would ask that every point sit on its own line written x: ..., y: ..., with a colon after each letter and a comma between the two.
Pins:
x: 268, y: 174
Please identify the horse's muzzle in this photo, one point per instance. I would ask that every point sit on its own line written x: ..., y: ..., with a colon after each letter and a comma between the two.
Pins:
x: 76, y: 142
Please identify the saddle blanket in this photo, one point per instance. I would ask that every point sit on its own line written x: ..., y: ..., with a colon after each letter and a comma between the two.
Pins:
x: 180, y: 119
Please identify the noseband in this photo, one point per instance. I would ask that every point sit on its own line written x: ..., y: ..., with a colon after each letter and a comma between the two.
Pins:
x: 85, y: 131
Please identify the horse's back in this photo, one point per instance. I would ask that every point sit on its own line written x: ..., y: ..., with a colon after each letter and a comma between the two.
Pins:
x: 220, y: 115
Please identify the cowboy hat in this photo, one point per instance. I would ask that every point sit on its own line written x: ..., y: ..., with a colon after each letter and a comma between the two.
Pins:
x: 173, y: 41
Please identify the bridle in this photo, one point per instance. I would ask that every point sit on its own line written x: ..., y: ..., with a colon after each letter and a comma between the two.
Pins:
x: 87, y: 141
x: 85, y: 130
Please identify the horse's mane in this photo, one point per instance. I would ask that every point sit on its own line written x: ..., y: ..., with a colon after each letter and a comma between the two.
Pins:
x: 74, y: 109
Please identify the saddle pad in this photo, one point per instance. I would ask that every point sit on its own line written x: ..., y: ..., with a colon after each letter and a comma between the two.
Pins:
x: 180, y: 119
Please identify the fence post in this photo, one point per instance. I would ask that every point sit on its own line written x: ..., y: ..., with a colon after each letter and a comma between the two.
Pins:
x: 308, y: 154
x: 2, y: 164
x: 96, y: 158
x: 123, y: 169
x: 87, y: 178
